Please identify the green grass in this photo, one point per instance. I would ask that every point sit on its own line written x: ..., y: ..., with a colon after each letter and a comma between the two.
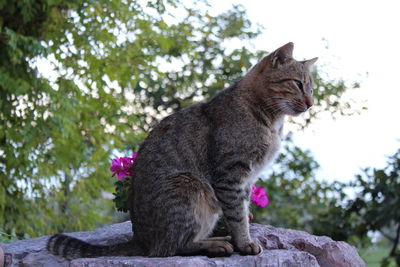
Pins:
x: 374, y: 254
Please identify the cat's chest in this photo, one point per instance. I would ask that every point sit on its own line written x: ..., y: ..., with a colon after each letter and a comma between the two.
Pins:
x: 269, y: 149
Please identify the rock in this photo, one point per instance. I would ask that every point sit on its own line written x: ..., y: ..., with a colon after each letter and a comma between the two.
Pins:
x: 282, y: 248
x: 1, y: 257
x: 328, y: 253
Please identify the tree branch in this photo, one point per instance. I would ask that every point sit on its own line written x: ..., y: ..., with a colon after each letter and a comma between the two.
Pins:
x: 396, y: 242
x: 386, y: 235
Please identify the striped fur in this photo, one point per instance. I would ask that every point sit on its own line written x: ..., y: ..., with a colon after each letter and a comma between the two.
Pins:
x: 71, y: 248
x: 198, y: 165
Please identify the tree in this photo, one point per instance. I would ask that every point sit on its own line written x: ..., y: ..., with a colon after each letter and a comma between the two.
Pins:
x: 115, y: 68
x: 298, y: 200
x: 378, y: 203
x: 107, y: 87
x: 43, y: 144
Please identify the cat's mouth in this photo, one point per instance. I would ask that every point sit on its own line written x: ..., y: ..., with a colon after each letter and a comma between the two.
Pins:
x: 297, y: 110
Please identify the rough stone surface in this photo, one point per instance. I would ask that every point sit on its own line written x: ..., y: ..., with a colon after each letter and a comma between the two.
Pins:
x: 1, y: 257
x: 282, y: 248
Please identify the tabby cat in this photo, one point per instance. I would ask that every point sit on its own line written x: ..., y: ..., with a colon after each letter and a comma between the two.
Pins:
x: 198, y: 165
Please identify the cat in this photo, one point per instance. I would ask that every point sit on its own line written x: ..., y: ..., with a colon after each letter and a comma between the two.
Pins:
x: 198, y: 165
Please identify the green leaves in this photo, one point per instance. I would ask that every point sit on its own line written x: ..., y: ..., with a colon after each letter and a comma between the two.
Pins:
x: 116, y: 67
x: 299, y: 200
x: 378, y: 202
x: 294, y: 193
x: 378, y: 199
x: 121, y: 194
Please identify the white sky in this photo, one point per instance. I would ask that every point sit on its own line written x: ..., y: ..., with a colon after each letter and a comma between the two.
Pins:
x: 363, y: 37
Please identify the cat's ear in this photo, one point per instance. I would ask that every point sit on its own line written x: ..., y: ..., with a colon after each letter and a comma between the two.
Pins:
x: 309, y: 63
x: 282, y: 55
x: 275, y: 59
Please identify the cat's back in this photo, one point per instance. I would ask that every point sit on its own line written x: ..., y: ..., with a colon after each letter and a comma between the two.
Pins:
x: 176, y: 144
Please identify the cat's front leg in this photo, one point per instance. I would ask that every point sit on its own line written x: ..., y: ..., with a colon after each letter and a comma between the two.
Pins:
x: 234, y: 203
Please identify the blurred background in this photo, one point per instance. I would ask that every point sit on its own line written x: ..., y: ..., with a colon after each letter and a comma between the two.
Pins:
x: 82, y: 82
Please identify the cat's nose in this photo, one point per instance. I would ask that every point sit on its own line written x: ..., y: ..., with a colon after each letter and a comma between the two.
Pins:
x: 308, y: 101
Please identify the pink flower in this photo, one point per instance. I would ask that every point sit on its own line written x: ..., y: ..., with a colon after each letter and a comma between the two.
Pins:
x: 259, y: 196
x: 122, y: 167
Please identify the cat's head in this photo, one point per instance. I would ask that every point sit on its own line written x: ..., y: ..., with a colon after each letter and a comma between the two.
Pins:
x: 282, y: 84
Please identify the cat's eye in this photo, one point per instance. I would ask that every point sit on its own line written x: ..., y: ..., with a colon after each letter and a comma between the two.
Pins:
x: 299, y: 85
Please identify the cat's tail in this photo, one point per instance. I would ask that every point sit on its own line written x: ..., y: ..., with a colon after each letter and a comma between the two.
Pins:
x: 72, y: 248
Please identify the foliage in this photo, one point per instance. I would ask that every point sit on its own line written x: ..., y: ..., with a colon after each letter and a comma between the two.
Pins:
x: 289, y: 188
x: 114, y: 68
x: 377, y: 203
x: 7, y: 238
x: 299, y: 200
x: 107, y: 84
x: 121, y: 194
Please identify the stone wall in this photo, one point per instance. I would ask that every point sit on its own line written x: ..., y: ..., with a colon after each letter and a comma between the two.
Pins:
x: 282, y: 248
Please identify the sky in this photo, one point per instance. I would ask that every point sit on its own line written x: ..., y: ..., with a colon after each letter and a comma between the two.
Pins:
x: 355, y: 41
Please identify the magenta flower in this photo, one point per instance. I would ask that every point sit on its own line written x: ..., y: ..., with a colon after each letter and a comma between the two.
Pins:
x: 259, y: 196
x: 122, y: 167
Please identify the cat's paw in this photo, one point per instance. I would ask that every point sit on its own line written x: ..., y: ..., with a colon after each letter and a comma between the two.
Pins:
x: 250, y: 248
x: 219, y: 248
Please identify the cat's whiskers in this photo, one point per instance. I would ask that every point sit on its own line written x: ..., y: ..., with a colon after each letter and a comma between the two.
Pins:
x: 277, y: 105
